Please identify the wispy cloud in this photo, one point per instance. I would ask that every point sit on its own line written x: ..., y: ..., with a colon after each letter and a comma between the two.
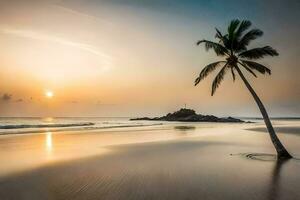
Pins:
x: 45, y: 37
x: 81, y: 14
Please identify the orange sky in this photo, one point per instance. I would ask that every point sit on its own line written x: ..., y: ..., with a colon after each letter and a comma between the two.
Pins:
x: 114, y: 59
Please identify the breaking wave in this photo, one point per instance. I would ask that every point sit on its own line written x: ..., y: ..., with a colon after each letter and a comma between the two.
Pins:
x: 21, y: 126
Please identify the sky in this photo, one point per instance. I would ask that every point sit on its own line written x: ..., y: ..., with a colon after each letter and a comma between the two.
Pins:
x: 114, y: 58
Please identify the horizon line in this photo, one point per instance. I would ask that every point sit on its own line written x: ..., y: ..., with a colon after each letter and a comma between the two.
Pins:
x: 241, y: 117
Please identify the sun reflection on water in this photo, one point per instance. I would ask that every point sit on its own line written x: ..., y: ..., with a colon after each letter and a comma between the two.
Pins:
x: 47, y: 119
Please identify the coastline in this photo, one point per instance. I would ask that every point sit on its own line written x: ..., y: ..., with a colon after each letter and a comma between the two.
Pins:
x: 161, y: 162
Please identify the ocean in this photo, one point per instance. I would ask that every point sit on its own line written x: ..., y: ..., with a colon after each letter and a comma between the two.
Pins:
x: 20, y: 125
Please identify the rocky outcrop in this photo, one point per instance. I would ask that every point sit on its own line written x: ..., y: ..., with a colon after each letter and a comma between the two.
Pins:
x: 189, y: 115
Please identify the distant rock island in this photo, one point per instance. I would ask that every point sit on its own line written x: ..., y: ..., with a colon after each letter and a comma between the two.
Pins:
x: 189, y: 115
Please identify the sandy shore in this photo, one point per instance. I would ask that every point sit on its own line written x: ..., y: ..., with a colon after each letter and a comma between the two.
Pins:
x: 204, y: 161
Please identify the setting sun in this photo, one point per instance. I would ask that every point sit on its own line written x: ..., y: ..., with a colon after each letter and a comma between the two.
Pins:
x: 49, y: 94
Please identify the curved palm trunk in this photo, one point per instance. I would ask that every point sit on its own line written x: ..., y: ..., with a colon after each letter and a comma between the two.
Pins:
x: 282, y: 153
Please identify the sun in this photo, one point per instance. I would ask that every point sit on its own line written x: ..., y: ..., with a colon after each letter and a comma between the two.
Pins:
x: 49, y: 94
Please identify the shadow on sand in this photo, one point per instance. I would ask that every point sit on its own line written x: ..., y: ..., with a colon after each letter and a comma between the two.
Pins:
x: 274, y: 190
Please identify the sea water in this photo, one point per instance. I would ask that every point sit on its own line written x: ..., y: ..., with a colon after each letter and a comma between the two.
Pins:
x: 13, y: 125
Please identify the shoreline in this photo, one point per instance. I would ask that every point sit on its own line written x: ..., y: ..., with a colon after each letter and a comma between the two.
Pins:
x: 140, y: 163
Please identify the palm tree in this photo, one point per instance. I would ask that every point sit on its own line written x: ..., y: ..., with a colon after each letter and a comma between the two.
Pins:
x: 234, y: 47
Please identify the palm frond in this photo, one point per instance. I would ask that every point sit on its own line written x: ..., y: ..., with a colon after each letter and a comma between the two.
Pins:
x: 219, y: 49
x: 257, y: 53
x: 248, y: 37
x: 259, y: 67
x: 223, y: 38
x: 244, y: 25
x: 249, y: 70
x: 206, y: 70
x: 217, y: 81
x: 219, y: 35
x: 233, y: 74
x: 232, y: 27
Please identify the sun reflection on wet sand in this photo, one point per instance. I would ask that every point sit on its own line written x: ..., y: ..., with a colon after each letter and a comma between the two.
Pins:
x: 49, y: 144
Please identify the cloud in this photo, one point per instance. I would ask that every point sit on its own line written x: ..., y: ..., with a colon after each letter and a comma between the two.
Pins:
x: 19, y: 100
x: 80, y: 14
x: 30, y: 34
x: 6, y: 97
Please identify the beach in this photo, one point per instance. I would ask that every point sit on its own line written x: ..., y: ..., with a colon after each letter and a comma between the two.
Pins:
x: 163, y: 161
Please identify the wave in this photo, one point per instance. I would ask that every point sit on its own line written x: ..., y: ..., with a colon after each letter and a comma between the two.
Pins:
x: 21, y: 126
x: 76, y: 128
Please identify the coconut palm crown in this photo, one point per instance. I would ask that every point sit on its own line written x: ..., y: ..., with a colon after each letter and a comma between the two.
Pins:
x: 233, y: 46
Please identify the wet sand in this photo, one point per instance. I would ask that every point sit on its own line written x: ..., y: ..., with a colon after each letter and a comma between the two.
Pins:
x: 165, y: 162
